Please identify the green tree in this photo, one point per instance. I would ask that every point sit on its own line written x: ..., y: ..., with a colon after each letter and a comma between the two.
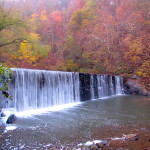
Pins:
x: 4, y: 80
x: 10, y: 24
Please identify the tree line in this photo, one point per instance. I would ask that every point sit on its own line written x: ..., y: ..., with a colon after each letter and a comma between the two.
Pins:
x: 93, y: 36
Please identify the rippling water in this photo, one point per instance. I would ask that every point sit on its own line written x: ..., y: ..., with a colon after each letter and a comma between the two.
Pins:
x: 77, y: 123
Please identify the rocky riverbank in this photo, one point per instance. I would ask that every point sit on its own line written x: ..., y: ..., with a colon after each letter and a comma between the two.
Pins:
x: 134, y: 86
x: 137, y: 139
x: 126, y: 142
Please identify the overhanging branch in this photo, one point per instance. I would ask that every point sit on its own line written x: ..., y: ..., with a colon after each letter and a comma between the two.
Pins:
x: 12, y: 42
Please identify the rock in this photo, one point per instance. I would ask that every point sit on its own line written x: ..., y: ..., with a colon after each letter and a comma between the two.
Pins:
x: 118, y: 143
x: 135, y: 77
x: 129, y: 136
x: 11, y: 119
x: 100, y: 145
x: 93, y: 147
x: 136, y: 138
x: 135, y: 87
x: 120, y: 149
x: 144, y: 92
x: 148, y: 94
x: 2, y: 128
x: 85, y: 148
x: 110, y: 149
x: 106, y: 142
x: 2, y: 114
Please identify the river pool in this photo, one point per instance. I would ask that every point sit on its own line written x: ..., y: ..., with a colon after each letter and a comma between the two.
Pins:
x: 111, y: 116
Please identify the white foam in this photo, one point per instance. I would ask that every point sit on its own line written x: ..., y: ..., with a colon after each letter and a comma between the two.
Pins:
x: 88, y: 143
x: 117, y: 138
x: 10, y: 128
x: 45, y: 110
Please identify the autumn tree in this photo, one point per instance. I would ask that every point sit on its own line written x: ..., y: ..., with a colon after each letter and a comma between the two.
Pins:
x: 10, y: 22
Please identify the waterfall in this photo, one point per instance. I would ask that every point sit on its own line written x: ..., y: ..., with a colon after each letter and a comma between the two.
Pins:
x: 98, y: 86
x: 109, y: 85
x: 119, y: 85
x: 34, y: 89
x: 92, y: 87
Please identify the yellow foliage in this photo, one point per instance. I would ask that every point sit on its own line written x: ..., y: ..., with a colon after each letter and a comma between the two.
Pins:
x: 34, y: 22
x: 70, y: 65
x: 84, y: 23
x: 139, y: 73
x: 135, y: 58
x: 43, y: 16
x: 34, y: 36
x: 26, y: 52
x: 87, y: 55
x: 35, y: 15
x: 81, y: 18
x: 136, y: 48
x: 144, y: 69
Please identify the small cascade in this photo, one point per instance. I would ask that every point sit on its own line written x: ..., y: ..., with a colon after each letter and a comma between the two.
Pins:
x: 119, y: 85
x: 34, y: 89
x: 98, y: 86
x: 92, y: 87
x: 109, y: 85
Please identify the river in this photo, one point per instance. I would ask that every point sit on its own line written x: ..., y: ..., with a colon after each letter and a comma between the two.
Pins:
x: 95, y: 119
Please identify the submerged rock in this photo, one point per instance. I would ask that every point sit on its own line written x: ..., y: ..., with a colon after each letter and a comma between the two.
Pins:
x: 11, y: 119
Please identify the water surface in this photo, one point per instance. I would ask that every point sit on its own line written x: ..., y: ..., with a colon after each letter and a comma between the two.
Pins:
x: 84, y: 121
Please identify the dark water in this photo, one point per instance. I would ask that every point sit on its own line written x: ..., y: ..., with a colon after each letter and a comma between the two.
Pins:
x: 78, y: 123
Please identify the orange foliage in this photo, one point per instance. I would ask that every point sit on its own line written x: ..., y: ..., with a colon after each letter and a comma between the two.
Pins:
x: 92, y: 36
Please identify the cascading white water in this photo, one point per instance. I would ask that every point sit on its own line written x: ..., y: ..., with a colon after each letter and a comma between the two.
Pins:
x: 119, y: 85
x: 92, y: 86
x: 34, y: 89
x: 105, y: 86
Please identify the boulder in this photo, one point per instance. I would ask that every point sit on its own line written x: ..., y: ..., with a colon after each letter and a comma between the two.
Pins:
x: 2, y: 114
x: 11, y: 119
x: 136, y: 138
x: 135, y: 87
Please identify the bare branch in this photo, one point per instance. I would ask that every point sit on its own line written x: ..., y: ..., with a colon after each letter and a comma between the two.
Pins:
x: 12, y: 42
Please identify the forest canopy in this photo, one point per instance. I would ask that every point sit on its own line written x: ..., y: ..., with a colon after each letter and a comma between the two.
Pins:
x: 93, y: 36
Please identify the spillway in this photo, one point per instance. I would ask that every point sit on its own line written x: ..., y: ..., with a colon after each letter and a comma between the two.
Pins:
x: 36, y: 89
